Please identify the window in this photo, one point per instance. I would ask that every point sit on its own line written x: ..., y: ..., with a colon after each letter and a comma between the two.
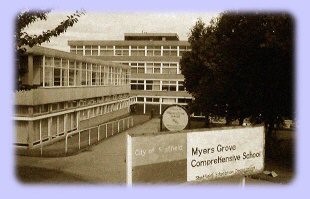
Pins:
x: 106, y: 75
x: 137, y: 68
x: 153, y: 85
x: 78, y: 74
x: 76, y: 50
x: 54, y: 106
x: 184, y: 100
x: 57, y: 72
x: 121, y: 50
x: 106, y: 51
x: 95, y: 75
x: 84, y: 73
x: 149, y: 68
x: 61, y: 105
x: 137, y: 84
x: 128, y: 72
x: 170, y: 51
x: 153, y: 68
x: 89, y: 74
x: 181, y: 85
x: 169, y: 86
x: 91, y: 50
x: 102, y: 75
x: 88, y: 50
x: 114, y: 82
x: 140, y: 99
x: 152, y: 99
x: 65, y: 70
x: 157, y: 68
x: 181, y: 100
x: 110, y: 74
x: 170, y: 68
x: 137, y: 51
x: 149, y: 84
x: 44, y: 108
x: 148, y: 99
x: 94, y: 50
x: 73, y: 49
x: 153, y: 50
x: 72, y: 73
x: 48, y: 71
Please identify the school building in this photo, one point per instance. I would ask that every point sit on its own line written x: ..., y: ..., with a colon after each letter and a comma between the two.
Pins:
x: 156, y: 79
x: 68, y: 92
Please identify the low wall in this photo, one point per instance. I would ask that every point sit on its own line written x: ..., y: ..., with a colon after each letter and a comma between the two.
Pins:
x: 53, y: 95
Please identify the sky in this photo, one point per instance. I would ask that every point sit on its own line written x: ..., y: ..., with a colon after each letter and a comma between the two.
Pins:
x: 112, y: 26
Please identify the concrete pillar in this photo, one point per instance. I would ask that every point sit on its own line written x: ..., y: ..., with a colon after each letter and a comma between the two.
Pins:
x: 144, y: 108
x: 30, y: 134
x: 29, y: 75
x: 30, y: 128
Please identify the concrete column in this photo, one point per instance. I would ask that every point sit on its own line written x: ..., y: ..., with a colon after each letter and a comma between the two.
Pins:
x: 43, y: 72
x: 29, y: 76
x: 30, y: 128
x: 144, y: 106
x: 30, y: 134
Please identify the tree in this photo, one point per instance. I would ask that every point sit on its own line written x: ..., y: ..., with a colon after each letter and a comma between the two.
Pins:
x: 243, y: 67
x: 22, y: 38
x: 200, y: 60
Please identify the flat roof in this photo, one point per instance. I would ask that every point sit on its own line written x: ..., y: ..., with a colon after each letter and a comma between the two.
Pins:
x: 128, y: 42
x: 148, y: 36
x: 39, y: 50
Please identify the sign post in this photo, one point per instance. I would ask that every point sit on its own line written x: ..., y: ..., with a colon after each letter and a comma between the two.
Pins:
x: 129, y: 161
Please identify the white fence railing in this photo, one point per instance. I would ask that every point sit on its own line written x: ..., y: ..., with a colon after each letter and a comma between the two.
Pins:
x: 121, y: 125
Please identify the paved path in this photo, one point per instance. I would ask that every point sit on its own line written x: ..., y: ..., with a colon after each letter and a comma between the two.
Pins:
x: 102, y: 163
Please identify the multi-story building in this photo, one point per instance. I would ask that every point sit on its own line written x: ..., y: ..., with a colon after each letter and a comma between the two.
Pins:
x: 68, y: 92
x: 156, y: 79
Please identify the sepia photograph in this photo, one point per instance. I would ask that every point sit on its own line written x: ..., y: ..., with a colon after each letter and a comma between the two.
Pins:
x: 154, y: 98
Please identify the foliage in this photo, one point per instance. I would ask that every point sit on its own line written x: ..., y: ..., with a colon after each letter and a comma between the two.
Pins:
x: 241, y: 65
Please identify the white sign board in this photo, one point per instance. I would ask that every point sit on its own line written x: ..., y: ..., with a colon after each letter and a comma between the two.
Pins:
x: 225, y: 152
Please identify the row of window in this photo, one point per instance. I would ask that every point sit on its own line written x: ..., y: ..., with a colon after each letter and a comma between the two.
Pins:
x: 53, y: 126
x: 157, y: 85
x: 163, y: 100
x: 61, y: 123
x: 63, y: 72
x: 153, y: 67
x: 110, y: 50
x: 100, y: 110
x: 60, y: 106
